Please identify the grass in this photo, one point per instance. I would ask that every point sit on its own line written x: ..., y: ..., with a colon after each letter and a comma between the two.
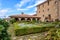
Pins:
x: 24, y: 25
x: 15, y: 25
x: 50, y: 28
x: 34, y: 28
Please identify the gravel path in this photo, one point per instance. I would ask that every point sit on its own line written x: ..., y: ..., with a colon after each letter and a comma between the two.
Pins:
x: 37, y: 36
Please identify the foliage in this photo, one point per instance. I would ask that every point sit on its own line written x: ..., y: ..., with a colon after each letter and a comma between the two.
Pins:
x: 58, y: 32
x: 52, y: 34
x: 3, y: 33
x: 1, y: 27
x: 12, y: 21
x: 29, y: 30
x: 50, y: 27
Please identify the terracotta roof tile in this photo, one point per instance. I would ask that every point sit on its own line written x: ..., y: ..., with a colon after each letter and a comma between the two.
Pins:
x: 23, y: 15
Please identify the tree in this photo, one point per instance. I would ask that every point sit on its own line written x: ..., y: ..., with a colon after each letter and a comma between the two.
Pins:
x: 3, y: 30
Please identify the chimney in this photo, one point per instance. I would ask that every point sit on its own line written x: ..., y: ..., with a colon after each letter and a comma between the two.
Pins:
x: 22, y: 13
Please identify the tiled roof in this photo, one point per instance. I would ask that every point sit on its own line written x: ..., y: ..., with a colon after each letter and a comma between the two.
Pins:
x: 23, y: 15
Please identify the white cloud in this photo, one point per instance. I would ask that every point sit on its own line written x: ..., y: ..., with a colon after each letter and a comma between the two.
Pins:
x: 21, y: 9
x: 32, y: 13
x: 23, y: 2
x: 36, y: 3
x: 19, y: 5
x: 3, y: 12
x: 35, y: 9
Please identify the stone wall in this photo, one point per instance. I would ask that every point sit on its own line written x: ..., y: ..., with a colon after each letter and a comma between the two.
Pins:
x: 45, y: 9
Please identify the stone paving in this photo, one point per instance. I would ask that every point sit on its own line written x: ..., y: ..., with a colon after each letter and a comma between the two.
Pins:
x: 36, y: 36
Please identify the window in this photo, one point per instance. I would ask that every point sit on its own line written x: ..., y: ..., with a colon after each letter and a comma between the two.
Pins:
x: 43, y: 5
x: 48, y: 9
x: 48, y: 2
x: 49, y: 15
x: 55, y: 2
x: 43, y: 15
x: 43, y: 10
x: 39, y: 11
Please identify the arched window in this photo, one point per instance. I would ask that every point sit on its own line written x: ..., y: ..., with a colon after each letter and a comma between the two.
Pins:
x: 49, y: 16
x: 43, y: 15
x: 55, y: 2
x: 48, y: 2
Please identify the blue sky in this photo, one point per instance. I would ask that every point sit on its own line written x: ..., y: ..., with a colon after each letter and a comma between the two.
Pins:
x: 12, y: 7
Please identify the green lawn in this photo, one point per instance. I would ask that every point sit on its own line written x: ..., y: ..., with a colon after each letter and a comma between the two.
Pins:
x: 28, y: 28
x: 20, y: 29
x: 25, y: 25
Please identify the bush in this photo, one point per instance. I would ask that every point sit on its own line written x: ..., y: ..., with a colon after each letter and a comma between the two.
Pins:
x: 52, y: 34
x: 3, y: 30
x: 25, y: 31
x: 12, y: 21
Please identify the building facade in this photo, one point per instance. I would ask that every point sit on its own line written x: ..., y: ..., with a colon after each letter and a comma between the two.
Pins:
x: 46, y: 11
x: 49, y: 10
x: 25, y: 17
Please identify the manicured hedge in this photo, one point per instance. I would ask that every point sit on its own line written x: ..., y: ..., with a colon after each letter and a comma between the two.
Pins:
x: 25, y: 31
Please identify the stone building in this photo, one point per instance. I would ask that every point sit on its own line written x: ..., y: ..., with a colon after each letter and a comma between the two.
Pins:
x: 46, y: 11
x: 25, y: 17
x: 49, y: 10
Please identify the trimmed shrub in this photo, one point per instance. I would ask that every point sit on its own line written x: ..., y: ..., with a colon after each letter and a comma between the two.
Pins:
x: 25, y: 31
